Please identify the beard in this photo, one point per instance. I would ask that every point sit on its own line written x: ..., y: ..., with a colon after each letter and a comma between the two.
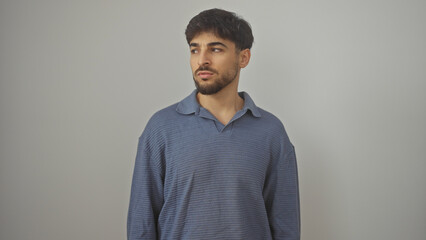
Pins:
x: 221, y: 82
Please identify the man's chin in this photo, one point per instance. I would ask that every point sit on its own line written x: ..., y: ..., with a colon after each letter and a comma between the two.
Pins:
x: 208, y: 90
x: 207, y: 87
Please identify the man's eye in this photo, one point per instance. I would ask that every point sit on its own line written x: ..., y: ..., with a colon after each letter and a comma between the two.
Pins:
x: 216, y: 49
x: 194, y: 51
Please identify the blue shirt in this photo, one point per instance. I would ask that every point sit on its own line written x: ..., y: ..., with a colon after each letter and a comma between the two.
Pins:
x: 195, y: 178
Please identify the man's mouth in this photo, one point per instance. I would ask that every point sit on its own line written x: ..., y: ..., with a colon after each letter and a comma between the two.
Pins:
x: 204, y: 74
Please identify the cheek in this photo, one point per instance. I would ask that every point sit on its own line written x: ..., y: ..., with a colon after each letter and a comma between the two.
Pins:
x: 193, y: 64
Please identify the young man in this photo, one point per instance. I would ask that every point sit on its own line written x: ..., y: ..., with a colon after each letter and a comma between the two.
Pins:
x: 215, y: 166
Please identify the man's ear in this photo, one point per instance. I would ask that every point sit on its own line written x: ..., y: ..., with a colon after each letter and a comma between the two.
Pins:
x: 244, y: 57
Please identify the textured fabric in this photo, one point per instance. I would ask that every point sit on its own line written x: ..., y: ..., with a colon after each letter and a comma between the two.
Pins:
x: 195, y: 178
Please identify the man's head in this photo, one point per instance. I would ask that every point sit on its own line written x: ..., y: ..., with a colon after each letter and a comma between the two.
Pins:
x: 220, y: 45
x: 224, y: 24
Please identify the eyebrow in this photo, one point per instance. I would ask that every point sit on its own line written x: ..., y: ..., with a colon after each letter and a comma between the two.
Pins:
x: 209, y: 44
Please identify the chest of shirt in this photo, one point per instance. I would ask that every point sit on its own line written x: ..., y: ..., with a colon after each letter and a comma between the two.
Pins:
x: 233, y: 157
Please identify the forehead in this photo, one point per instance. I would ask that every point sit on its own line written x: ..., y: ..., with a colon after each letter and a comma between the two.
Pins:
x: 210, y: 37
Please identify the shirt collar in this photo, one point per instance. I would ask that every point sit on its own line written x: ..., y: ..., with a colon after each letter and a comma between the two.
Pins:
x: 190, y: 104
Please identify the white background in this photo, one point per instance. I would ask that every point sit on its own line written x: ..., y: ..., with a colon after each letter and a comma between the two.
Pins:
x: 80, y: 79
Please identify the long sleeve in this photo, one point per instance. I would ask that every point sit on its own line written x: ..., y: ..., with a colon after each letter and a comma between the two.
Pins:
x: 146, y: 198
x: 281, y: 195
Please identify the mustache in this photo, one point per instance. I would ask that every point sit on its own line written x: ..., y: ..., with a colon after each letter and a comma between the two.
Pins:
x: 205, y: 68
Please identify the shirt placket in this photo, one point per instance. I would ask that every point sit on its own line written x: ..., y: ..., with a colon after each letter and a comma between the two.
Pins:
x: 204, y: 113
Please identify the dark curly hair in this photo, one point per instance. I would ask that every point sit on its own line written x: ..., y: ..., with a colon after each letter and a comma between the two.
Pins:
x: 224, y: 24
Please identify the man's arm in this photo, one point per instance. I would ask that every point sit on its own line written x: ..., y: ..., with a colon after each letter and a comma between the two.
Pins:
x: 281, y: 194
x: 146, y: 198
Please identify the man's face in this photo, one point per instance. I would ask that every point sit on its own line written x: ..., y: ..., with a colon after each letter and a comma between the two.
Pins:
x: 214, y: 62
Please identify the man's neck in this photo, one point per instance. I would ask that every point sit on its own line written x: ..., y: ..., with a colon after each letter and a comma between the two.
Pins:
x: 223, y: 104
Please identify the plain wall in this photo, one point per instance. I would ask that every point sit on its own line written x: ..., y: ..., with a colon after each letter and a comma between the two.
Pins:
x: 80, y: 79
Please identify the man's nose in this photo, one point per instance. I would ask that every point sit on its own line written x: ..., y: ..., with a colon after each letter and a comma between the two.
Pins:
x: 204, y: 58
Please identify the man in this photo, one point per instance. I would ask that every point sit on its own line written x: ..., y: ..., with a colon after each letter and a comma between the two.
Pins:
x: 215, y: 166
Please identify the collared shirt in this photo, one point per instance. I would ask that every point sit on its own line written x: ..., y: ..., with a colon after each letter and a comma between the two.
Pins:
x: 196, y: 178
